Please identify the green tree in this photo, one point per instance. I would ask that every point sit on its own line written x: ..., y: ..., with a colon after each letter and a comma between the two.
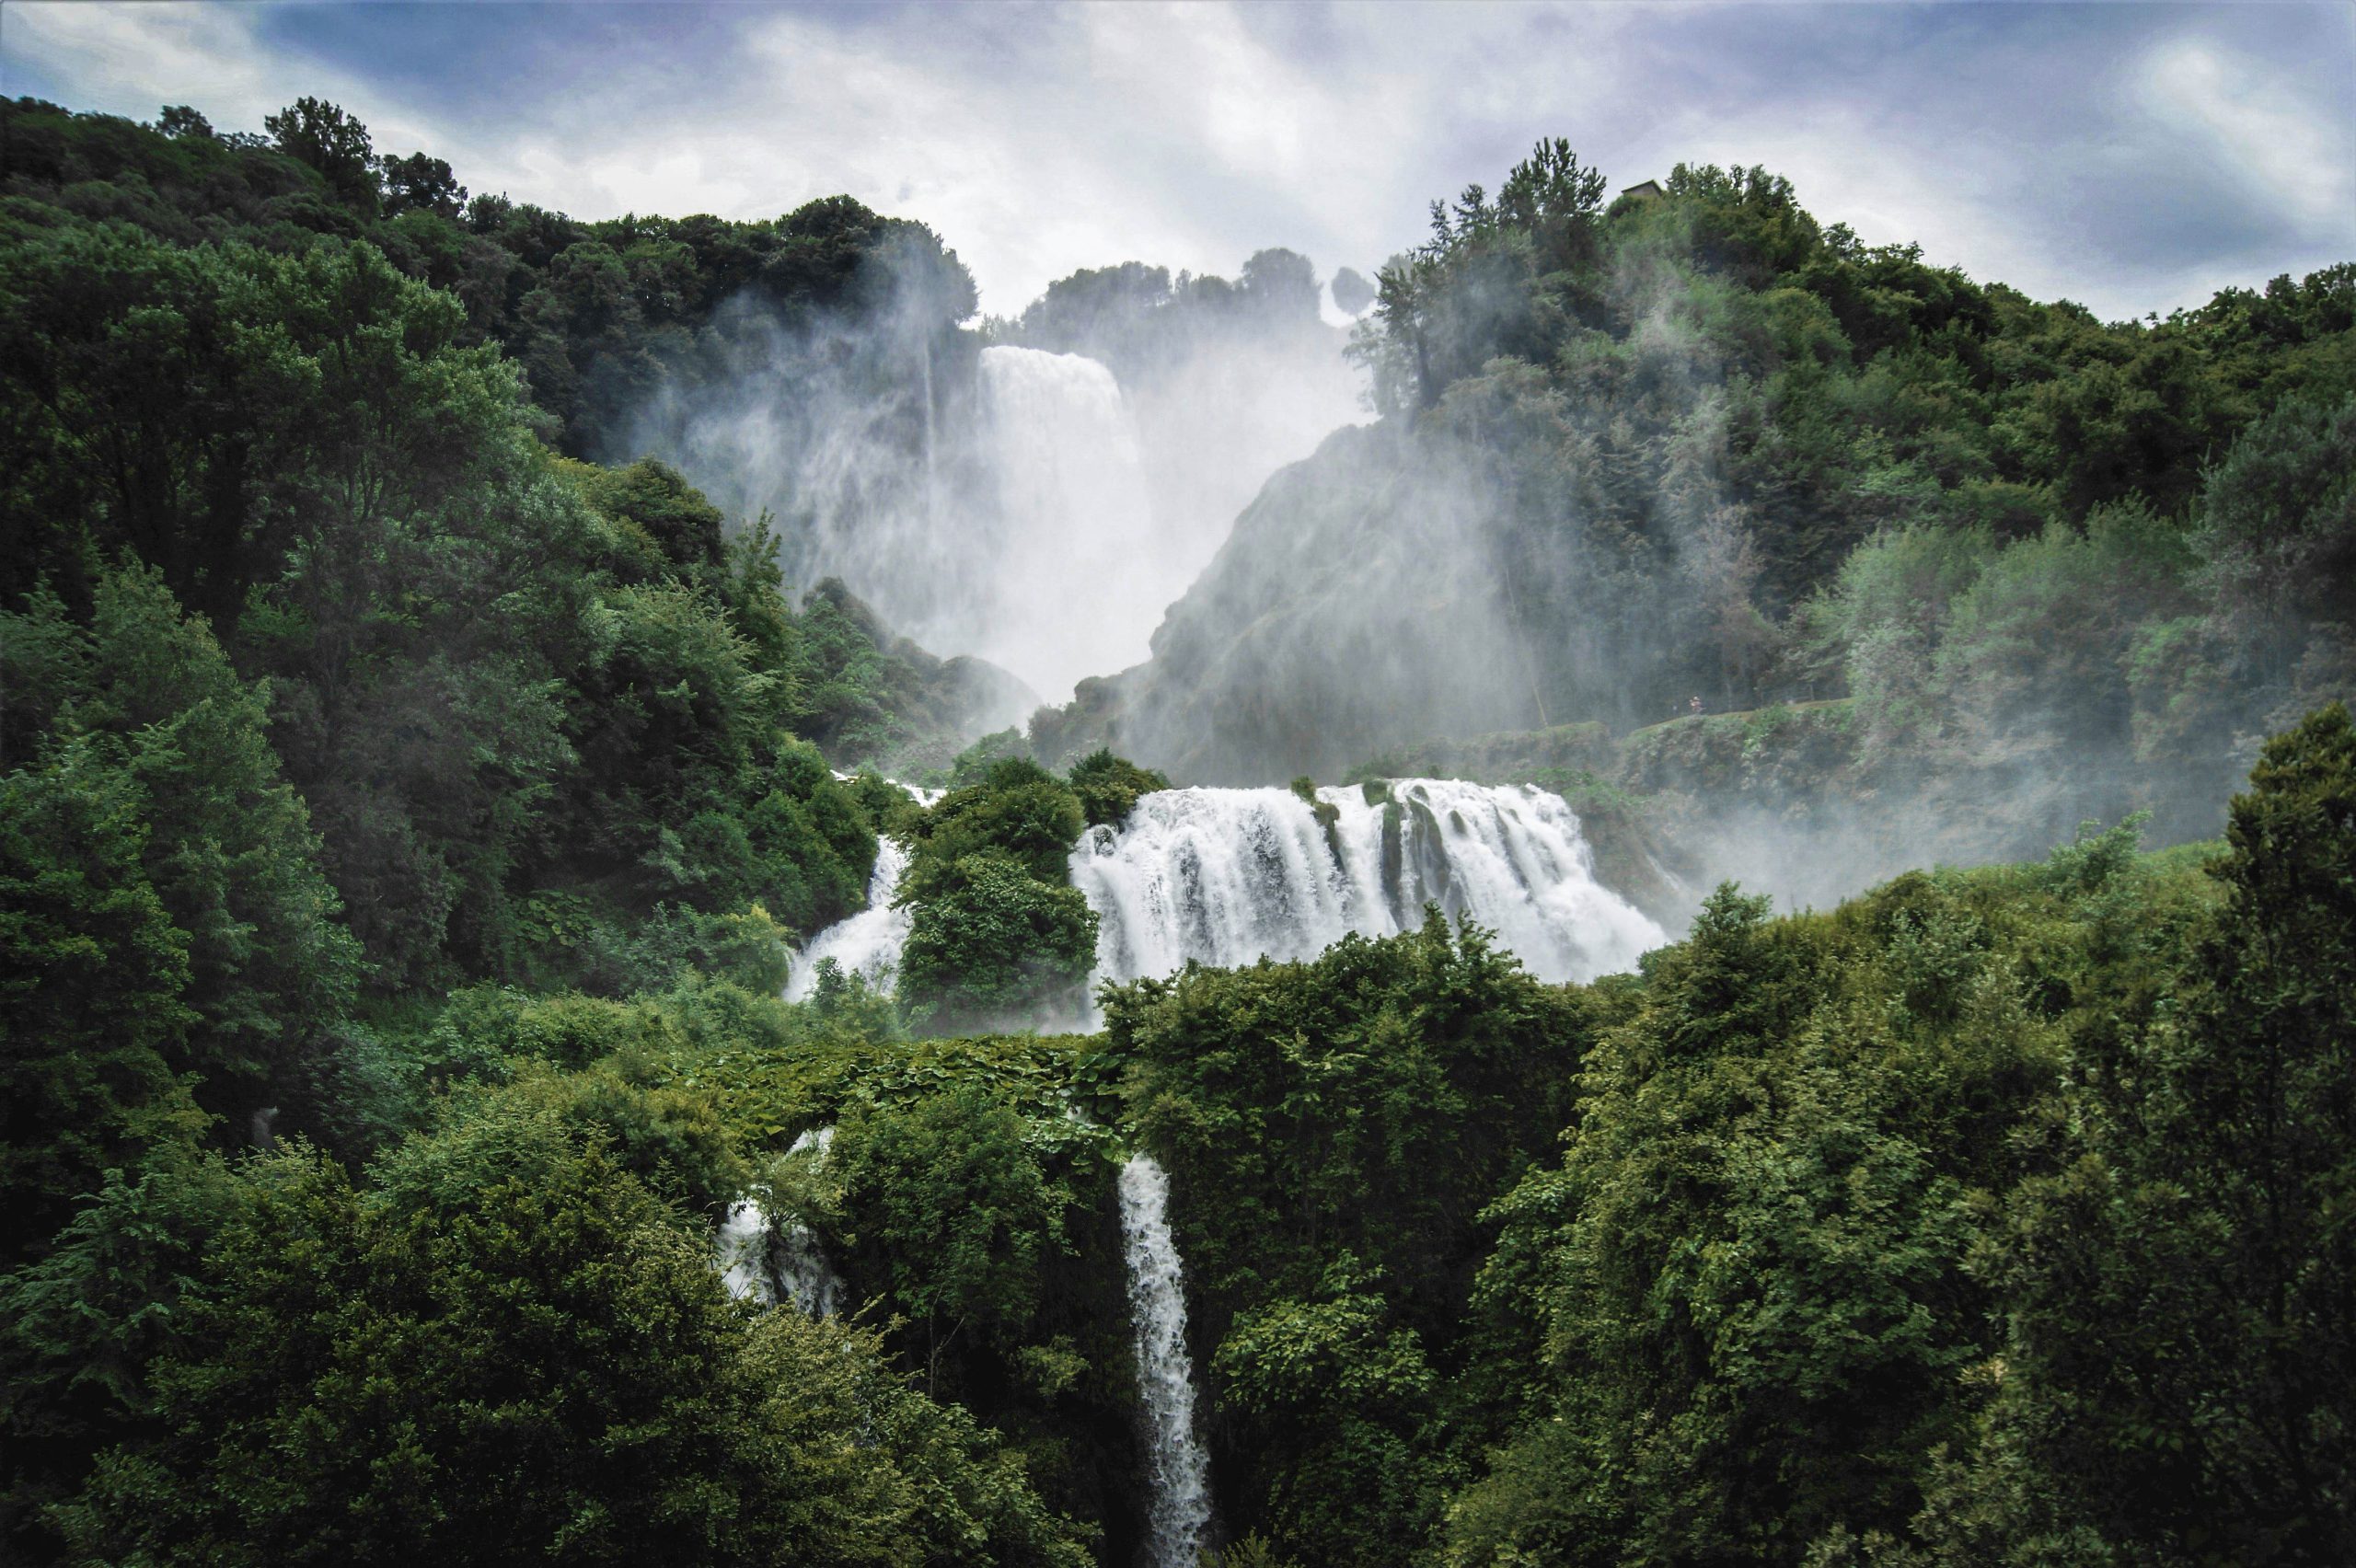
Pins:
x: 947, y: 1208
x: 2277, y: 530
x: 992, y: 946
x: 229, y: 848
x: 1336, y: 1377
x: 94, y: 971
x: 421, y: 184
x: 80, y: 1328
x: 2179, y: 1295
x: 510, y: 1348
x: 1108, y: 786
x: 321, y: 134
x: 178, y: 120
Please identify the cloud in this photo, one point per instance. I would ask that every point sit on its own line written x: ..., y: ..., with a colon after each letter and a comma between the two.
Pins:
x: 2292, y: 148
x: 2132, y: 157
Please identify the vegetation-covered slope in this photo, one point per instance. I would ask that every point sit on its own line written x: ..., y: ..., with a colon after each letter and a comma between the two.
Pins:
x: 1700, y: 445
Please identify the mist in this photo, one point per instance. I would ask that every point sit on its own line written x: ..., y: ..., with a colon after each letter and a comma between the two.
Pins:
x: 1546, y: 490
x: 997, y: 492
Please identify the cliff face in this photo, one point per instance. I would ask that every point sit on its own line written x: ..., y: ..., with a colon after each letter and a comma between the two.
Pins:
x: 1355, y: 608
x: 884, y: 702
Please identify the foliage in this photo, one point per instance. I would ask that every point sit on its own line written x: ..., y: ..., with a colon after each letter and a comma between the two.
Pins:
x: 996, y: 947
x: 509, y: 1346
x: 93, y: 974
x: 1333, y: 1130
x: 1108, y: 786
x: 1699, y: 442
x: 998, y: 936
x: 946, y: 1206
x: 377, y: 776
x: 1146, y: 325
x: 2176, y: 1289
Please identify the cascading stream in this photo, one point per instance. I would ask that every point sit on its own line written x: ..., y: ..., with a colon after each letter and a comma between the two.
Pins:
x: 1226, y: 877
x: 868, y: 944
x: 1179, y: 1514
x: 762, y: 1260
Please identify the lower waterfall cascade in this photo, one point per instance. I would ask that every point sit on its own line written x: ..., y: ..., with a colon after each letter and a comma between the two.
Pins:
x: 762, y: 1260
x: 866, y: 944
x: 1226, y: 877
x: 1178, y: 1513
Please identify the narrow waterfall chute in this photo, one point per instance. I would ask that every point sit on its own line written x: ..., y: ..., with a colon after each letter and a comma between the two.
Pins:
x: 766, y: 1260
x: 866, y: 944
x: 1178, y: 1513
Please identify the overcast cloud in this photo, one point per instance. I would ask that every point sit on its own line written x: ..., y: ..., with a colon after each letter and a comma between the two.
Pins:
x: 2134, y: 158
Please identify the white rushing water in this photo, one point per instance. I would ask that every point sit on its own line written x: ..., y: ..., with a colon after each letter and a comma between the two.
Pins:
x: 1180, y: 1513
x: 763, y: 1260
x: 866, y: 944
x: 1078, y: 576
x: 1226, y: 877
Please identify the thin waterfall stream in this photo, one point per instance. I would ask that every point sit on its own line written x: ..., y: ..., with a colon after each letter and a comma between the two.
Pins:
x: 1179, y: 1514
x: 768, y: 1260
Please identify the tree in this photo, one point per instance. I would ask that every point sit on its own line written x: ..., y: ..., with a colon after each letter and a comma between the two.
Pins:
x: 229, y: 848
x: 1282, y: 284
x: 178, y: 121
x: 80, y: 1327
x: 1109, y: 786
x: 322, y: 135
x: 1352, y: 293
x: 991, y: 946
x: 2277, y: 530
x: 2181, y: 1294
x: 946, y: 1208
x: 508, y: 1348
x: 422, y: 184
x: 93, y: 972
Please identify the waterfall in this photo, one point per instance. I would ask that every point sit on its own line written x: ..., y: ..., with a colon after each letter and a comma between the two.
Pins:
x: 1078, y: 577
x: 866, y: 944
x: 1226, y: 877
x: 742, y: 1252
x: 1180, y: 1515
x: 764, y: 1260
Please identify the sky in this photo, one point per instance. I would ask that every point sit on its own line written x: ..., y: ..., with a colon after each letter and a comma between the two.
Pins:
x: 2132, y: 157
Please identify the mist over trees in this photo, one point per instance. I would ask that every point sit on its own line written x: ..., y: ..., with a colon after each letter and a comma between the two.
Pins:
x: 412, y: 785
x: 1693, y: 449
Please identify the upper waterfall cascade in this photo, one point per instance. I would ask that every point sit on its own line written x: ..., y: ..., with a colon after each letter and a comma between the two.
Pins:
x: 1226, y: 877
x: 1078, y: 577
x: 866, y: 944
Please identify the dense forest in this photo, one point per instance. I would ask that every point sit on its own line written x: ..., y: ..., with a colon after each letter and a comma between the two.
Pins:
x: 416, y: 788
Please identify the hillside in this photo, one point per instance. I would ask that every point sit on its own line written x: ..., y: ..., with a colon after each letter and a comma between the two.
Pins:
x: 1700, y: 445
